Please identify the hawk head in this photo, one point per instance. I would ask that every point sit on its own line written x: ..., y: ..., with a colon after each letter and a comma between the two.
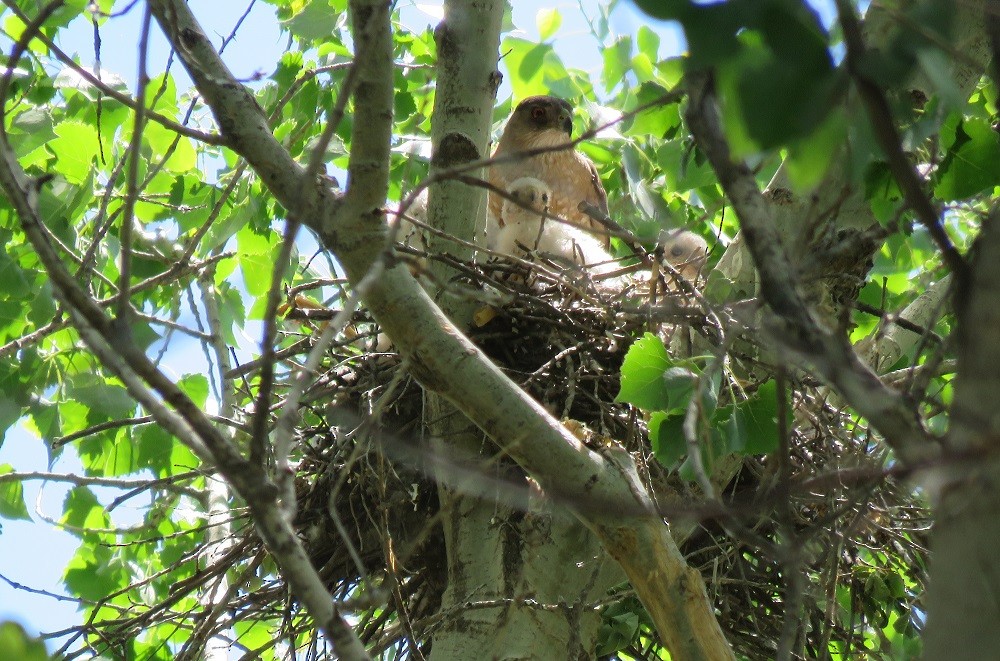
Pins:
x: 540, y: 120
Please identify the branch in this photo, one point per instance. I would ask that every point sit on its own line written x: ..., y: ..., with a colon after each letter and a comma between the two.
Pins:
x: 899, y: 333
x: 124, y: 307
x: 829, y: 355
x: 117, y: 483
x: 889, y: 140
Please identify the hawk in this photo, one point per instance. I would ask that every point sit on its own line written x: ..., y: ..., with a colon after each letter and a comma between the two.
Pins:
x: 547, y: 121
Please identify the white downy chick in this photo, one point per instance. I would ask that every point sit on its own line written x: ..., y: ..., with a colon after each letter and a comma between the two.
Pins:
x: 685, y: 251
x: 525, y: 231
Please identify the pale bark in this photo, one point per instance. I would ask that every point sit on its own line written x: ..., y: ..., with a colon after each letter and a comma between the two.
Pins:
x: 468, y: 40
x: 220, y: 517
x: 887, y: 344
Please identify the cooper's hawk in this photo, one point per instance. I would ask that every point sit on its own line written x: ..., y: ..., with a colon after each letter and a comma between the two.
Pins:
x: 546, y: 121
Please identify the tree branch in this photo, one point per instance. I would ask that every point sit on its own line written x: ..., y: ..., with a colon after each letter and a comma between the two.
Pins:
x: 889, y: 140
x: 831, y: 356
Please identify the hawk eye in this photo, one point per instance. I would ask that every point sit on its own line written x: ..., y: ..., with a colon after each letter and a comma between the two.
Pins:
x: 538, y: 112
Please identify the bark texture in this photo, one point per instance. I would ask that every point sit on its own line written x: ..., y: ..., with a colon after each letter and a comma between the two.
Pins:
x: 963, y: 602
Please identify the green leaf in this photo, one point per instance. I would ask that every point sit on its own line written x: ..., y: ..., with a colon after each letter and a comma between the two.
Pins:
x: 257, y: 254
x: 617, y: 59
x: 12, y: 504
x: 679, y: 383
x: 195, y: 386
x: 159, y: 138
x: 74, y: 148
x: 316, y: 20
x: 937, y: 67
x: 762, y: 420
x: 770, y: 101
x: 107, y: 400
x: 229, y: 222
x: 666, y: 436
x: 667, y: 10
x: 16, y: 644
x: 14, y: 285
x: 709, y: 453
x: 33, y: 129
x: 973, y: 163
x: 253, y: 634
x: 528, y: 64
x: 810, y: 158
x: 710, y: 29
x: 648, y: 198
x: 732, y: 423
x: 642, y: 383
x: 658, y: 120
x: 121, y: 458
x: 153, y: 448
x: 82, y: 511
x: 10, y: 412
x: 93, y: 574
x: 548, y: 22
x: 642, y: 68
x: 648, y: 42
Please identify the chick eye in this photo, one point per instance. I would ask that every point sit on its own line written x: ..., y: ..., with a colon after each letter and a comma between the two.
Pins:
x: 538, y: 113
x: 676, y: 251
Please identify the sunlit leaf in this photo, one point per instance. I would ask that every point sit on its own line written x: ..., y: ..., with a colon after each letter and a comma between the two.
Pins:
x: 617, y: 60
x: 74, y: 148
x: 12, y: 505
x: 314, y: 21
x: 548, y: 21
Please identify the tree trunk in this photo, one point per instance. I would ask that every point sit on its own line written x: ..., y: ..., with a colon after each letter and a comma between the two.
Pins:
x: 521, y: 584
x: 963, y: 603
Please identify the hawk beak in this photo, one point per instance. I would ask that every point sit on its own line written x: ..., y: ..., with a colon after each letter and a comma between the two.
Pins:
x: 567, y: 123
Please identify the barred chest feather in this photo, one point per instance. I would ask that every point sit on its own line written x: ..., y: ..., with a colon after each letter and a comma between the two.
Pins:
x: 567, y: 173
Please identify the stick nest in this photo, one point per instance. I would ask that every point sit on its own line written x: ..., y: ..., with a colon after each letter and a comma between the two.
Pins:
x: 823, y: 531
